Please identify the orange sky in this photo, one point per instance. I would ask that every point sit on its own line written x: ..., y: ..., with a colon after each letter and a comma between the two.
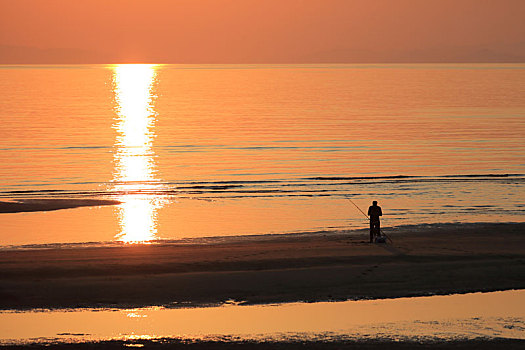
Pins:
x: 272, y: 31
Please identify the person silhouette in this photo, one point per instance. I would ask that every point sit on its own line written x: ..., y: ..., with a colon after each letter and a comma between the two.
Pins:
x: 374, y: 212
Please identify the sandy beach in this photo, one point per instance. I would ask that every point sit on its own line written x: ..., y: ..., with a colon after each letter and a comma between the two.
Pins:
x: 322, y: 266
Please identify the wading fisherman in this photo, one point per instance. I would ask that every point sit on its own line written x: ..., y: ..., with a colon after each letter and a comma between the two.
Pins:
x: 374, y: 212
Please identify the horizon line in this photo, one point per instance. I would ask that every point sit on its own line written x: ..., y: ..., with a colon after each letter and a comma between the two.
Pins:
x: 265, y: 63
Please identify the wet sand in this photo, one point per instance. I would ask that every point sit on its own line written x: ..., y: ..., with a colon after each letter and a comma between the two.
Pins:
x: 221, y: 344
x: 321, y: 266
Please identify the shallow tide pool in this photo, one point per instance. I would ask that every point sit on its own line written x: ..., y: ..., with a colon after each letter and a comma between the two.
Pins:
x: 465, y: 316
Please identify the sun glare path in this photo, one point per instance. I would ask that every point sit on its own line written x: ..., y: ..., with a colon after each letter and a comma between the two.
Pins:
x: 134, y: 156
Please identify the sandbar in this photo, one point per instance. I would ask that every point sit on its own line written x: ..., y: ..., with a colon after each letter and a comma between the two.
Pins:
x: 319, y: 266
x: 44, y: 204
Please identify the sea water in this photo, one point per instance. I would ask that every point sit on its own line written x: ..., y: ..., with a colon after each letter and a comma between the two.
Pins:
x: 225, y: 150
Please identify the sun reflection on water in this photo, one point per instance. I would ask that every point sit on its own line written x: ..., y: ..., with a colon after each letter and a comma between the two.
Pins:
x: 134, y: 174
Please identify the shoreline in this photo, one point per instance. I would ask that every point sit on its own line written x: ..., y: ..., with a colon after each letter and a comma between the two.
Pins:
x: 424, y: 228
x: 276, y: 269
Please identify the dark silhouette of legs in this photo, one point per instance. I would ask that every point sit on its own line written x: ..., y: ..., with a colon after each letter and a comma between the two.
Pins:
x: 374, y: 230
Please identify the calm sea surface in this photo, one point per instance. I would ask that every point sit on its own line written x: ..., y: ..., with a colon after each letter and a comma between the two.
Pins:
x: 222, y: 150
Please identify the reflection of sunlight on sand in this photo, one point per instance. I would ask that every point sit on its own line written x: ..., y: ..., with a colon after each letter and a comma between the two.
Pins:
x: 134, y: 163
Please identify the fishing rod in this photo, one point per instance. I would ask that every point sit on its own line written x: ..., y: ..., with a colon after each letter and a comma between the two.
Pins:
x: 362, y: 212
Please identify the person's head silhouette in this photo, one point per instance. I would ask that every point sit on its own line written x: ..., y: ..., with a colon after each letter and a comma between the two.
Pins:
x: 374, y: 203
